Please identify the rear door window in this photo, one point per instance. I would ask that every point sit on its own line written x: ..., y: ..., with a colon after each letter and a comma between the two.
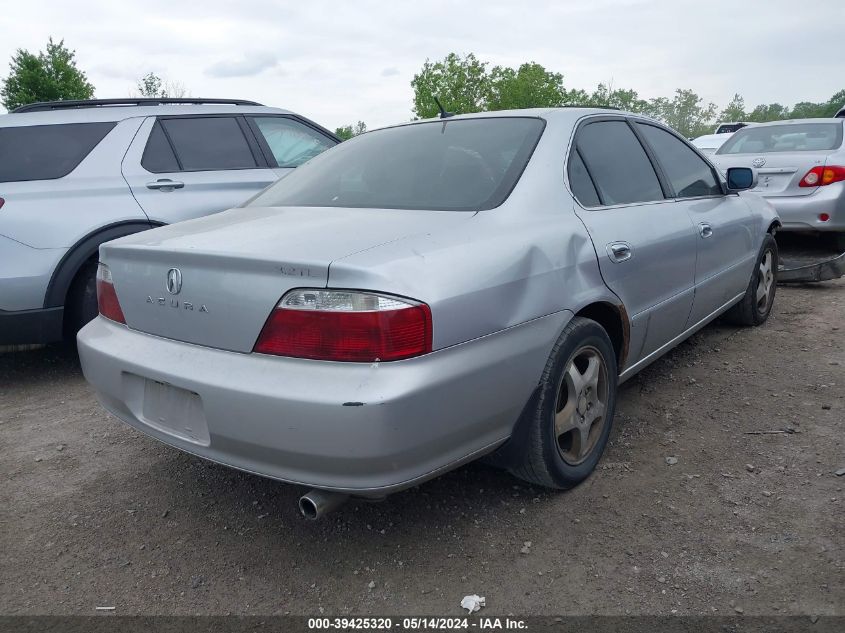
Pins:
x: 618, y: 164
x: 581, y: 183
x: 46, y: 152
x: 208, y: 143
x: 158, y: 154
x: 689, y: 175
x: 290, y: 142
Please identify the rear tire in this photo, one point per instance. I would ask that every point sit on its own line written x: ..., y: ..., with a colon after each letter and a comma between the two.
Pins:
x: 759, y: 298
x: 569, y: 425
x: 81, y: 305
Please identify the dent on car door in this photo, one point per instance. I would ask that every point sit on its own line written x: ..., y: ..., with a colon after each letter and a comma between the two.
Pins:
x: 645, y: 243
x: 182, y: 167
x: 724, y: 224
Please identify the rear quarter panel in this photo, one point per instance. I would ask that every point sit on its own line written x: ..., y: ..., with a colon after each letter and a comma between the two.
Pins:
x: 58, y: 213
x: 525, y: 259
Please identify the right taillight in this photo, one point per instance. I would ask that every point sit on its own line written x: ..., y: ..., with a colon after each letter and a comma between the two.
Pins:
x: 107, y: 301
x: 2, y: 202
x: 346, y: 325
x: 821, y: 176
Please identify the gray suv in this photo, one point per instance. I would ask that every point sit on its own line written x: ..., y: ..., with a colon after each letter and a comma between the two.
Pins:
x: 76, y: 174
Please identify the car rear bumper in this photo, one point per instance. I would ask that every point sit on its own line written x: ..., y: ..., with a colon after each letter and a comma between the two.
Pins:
x: 801, y: 213
x: 362, y: 428
x: 31, y: 326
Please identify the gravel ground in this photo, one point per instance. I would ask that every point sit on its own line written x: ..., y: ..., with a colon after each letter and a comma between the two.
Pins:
x: 717, y: 495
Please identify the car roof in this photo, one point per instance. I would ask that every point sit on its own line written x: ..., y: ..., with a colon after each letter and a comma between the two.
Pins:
x: 568, y: 113
x: 795, y: 122
x: 97, y: 114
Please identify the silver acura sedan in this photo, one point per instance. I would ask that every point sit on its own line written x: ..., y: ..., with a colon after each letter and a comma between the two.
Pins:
x: 426, y: 294
x: 801, y: 171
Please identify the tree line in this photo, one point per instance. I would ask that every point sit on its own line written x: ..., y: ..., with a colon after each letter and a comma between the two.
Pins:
x: 467, y: 84
x: 462, y: 84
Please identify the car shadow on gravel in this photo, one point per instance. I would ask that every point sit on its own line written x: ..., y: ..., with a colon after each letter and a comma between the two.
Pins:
x: 47, y: 363
x: 452, y: 506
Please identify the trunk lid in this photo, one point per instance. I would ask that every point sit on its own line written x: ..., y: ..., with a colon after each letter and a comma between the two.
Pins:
x: 779, y: 173
x: 233, y: 267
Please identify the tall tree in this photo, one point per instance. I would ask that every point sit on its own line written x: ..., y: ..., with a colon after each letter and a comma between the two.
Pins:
x: 686, y: 112
x: 735, y: 110
x: 348, y: 131
x: 768, y: 112
x: 51, y: 75
x: 606, y: 96
x: 151, y: 85
x: 464, y: 84
x: 529, y: 86
x: 836, y: 102
x: 807, y: 110
x: 461, y: 85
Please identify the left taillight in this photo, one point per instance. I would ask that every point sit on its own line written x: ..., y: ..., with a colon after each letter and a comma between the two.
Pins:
x: 344, y: 325
x: 107, y: 301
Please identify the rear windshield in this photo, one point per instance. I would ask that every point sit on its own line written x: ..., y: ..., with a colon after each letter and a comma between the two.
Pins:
x: 457, y: 165
x: 798, y: 137
x: 44, y: 152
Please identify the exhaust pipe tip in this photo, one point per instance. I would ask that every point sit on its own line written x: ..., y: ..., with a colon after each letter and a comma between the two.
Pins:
x: 317, y: 503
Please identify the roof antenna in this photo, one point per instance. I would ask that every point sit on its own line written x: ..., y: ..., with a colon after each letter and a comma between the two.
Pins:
x: 443, y: 113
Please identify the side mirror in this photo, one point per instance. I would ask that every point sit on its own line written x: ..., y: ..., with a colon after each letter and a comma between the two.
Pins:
x: 741, y: 178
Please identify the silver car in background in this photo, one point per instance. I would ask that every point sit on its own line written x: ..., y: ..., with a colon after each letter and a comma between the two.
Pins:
x: 707, y: 144
x: 801, y: 170
x: 423, y: 295
x: 76, y: 174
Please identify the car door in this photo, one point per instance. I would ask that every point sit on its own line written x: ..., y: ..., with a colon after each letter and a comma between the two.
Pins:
x: 644, y: 240
x: 183, y: 167
x: 726, y: 230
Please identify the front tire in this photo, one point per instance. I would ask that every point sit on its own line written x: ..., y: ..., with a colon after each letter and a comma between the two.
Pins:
x: 571, y: 420
x: 759, y: 298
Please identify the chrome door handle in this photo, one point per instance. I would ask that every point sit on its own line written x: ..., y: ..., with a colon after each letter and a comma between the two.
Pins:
x: 705, y: 230
x: 619, y: 251
x: 165, y: 184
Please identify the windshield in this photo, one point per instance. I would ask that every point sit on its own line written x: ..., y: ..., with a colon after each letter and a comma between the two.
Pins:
x: 450, y: 165
x: 798, y: 137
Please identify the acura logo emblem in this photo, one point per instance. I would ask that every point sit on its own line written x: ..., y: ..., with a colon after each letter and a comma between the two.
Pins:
x: 758, y: 162
x: 174, y: 281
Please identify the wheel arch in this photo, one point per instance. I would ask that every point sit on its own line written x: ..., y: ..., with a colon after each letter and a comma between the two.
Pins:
x: 613, y: 317
x: 84, y: 249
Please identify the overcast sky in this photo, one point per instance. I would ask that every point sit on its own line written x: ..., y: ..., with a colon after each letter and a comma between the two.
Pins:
x: 340, y: 62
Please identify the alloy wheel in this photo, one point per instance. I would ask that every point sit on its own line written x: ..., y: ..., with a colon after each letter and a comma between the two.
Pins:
x: 765, y: 282
x: 581, y: 405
